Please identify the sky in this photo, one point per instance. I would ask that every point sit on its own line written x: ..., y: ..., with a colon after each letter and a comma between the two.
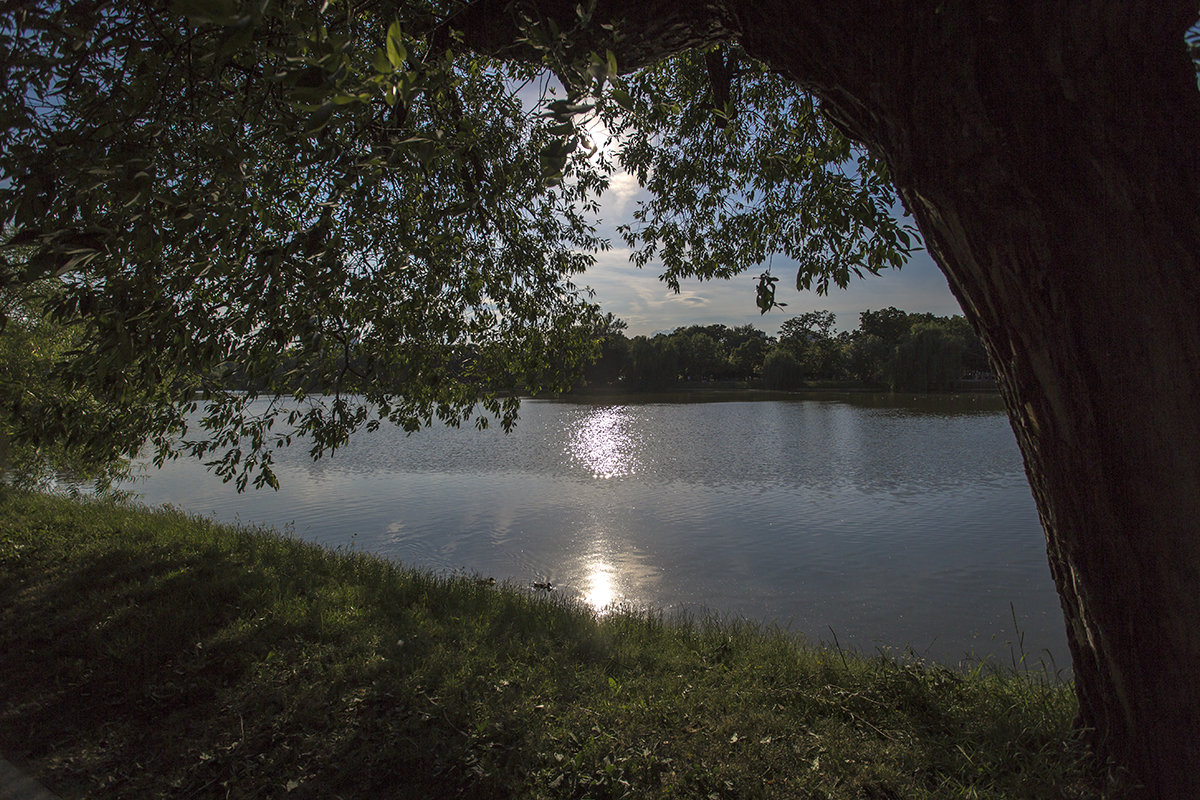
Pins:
x: 648, y: 306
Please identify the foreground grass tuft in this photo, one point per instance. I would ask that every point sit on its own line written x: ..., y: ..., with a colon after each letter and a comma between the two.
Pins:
x: 159, y: 655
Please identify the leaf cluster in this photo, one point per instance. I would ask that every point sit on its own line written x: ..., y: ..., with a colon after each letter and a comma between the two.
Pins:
x: 52, y: 430
x: 218, y: 188
x: 740, y: 165
x: 330, y: 205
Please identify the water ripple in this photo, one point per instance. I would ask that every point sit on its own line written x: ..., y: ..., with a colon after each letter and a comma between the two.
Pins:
x: 892, y: 524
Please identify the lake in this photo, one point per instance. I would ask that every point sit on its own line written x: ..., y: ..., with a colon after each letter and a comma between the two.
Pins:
x: 885, y: 522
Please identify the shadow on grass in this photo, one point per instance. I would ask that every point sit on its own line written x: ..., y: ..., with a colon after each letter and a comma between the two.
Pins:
x: 149, y: 655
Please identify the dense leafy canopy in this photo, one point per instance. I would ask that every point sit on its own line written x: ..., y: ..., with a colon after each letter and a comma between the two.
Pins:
x: 30, y: 346
x: 337, y: 211
x: 749, y: 169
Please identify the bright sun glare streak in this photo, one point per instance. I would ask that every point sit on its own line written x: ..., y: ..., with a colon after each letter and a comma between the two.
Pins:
x: 601, y: 590
x: 604, y: 443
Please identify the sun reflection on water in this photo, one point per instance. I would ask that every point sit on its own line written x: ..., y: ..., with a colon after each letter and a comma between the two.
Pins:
x: 611, y: 575
x: 600, y: 589
x: 604, y: 441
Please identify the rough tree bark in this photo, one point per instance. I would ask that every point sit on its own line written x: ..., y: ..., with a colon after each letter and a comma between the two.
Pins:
x: 1050, y: 158
x: 1050, y: 152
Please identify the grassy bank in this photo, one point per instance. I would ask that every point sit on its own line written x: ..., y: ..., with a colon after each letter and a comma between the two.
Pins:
x: 156, y: 655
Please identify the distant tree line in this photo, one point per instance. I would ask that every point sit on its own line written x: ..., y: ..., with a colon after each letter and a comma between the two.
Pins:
x: 891, y: 349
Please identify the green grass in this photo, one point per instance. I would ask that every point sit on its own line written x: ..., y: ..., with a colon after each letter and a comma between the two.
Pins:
x: 159, y: 655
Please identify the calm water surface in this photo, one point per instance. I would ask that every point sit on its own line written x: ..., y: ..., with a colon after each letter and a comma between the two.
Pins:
x: 888, y: 522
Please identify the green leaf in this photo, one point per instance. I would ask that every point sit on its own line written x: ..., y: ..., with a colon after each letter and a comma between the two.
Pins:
x: 217, y: 12
x: 24, y: 236
x: 347, y: 99
x: 564, y: 109
x: 396, y: 51
x: 623, y: 98
x: 318, y: 119
x: 382, y: 64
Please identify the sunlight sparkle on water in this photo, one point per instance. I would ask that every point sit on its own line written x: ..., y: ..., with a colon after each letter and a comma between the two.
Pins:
x: 604, y: 442
x: 600, y: 590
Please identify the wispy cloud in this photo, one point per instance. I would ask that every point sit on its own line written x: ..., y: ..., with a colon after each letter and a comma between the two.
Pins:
x: 622, y: 189
x: 647, y: 305
x: 642, y: 300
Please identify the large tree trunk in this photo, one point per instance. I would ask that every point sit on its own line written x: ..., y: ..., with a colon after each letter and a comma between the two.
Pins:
x: 1051, y: 157
x: 1077, y: 256
x: 1050, y: 152
x: 1078, y: 259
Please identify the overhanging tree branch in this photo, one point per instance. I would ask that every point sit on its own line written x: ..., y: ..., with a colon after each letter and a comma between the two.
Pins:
x: 641, y: 33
